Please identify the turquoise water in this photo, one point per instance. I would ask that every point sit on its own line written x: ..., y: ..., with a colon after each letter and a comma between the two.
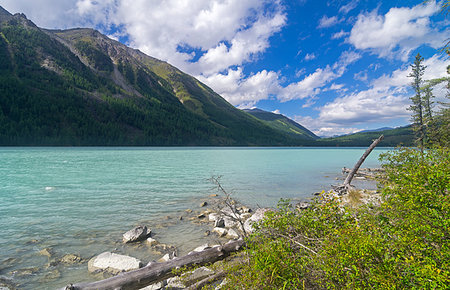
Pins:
x: 80, y: 200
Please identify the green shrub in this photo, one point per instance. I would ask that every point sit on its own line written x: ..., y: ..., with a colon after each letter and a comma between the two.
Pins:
x: 403, y: 243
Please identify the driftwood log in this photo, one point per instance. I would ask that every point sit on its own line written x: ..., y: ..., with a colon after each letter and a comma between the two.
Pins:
x: 156, y: 272
x: 346, y: 186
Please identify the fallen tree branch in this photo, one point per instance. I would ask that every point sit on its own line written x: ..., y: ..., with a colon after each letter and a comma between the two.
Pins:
x: 343, y: 189
x: 156, y: 272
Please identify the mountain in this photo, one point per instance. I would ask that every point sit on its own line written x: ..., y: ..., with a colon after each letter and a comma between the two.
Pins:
x: 377, y: 130
x: 79, y: 87
x: 392, y: 137
x: 283, y: 124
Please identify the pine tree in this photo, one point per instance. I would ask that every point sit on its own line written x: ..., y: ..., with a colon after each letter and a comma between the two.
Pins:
x: 417, y: 107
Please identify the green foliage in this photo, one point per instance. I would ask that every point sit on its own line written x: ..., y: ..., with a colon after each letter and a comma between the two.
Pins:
x: 393, y: 137
x: 403, y: 243
x: 100, y: 60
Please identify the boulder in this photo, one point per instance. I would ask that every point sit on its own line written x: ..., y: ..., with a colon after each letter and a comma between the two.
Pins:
x: 213, y: 217
x: 203, y: 204
x: 201, y: 248
x: 245, y: 216
x: 220, y: 231
x: 152, y: 241
x: 113, y: 263
x: 167, y: 257
x: 198, y: 274
x: 219, y: 223
x: 175, y: 283
x: 137, y: 234
x: 230, y: 223
x: 302, y: 205
x: 257, y: 216
x: 232, y: 234
x: 156, y: 286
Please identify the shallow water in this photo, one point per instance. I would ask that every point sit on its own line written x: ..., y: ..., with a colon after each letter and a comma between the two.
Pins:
x: 81, y: 200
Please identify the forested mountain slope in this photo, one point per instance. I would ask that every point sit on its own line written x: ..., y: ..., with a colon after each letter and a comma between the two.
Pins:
x: 78, y: 87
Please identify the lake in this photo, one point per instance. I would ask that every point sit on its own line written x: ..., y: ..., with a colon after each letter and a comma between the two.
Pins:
x: 81, y: 200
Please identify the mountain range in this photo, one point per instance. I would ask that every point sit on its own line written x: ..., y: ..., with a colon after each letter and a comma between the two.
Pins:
x: 78, y: 87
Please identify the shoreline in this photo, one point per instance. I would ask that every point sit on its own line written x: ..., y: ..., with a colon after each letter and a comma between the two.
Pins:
x: 51, y: 274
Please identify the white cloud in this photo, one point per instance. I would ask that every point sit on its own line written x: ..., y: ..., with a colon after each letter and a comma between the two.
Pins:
x: 339, y: 34
x: 361, y: 76
x: 349, y: 6
x: 325, y: 22
x: 245, y: 92
x: 398, y: 32
x: 386, y: 99
x: 310, y: 56
x: 323, y: 129
x: 223, y: 33
x: 276, y: 111
x: 46, y: 13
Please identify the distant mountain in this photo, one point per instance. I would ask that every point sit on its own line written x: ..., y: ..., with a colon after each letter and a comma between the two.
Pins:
x: 376, y: 130
x: 282, y: 123
x: 392, y: 137
x: 78, y: 87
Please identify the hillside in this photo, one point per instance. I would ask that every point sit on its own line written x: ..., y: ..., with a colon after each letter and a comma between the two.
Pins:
x: 78, y: 87
x: 283, y: 124
x: 392, y: 137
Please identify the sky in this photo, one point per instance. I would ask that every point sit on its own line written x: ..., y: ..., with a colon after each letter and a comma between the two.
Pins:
x: 336, y: 66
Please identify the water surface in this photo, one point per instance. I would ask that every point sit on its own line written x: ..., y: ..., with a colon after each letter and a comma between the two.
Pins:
x: 80, y: 200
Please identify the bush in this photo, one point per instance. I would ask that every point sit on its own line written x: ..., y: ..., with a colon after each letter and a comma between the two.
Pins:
x: 403, y: 243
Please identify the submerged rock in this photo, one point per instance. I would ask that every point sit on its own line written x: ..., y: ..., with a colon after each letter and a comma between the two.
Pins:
x: 71, y: 259
x: 137, y: 234
x: 113, y: 263
x: 46, y: 252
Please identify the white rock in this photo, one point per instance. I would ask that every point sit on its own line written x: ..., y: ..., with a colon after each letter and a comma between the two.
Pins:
x: 156, y: 286
x: 230, y: 223
x: 213, y: 217
x: 202, y: 248
x: 152, y: 241
x: 257, y: 216
x: 113, y: 263
x: 175, y: 283
x: 232, y: 234
x: 220, y: 231
x: 245, y: 216
x: 167, y: 257
x: 196, y: 275
x: 224, y: 282
x: 136, y: 234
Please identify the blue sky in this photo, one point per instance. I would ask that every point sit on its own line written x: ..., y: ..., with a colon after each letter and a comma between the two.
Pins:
x: 334, y: 66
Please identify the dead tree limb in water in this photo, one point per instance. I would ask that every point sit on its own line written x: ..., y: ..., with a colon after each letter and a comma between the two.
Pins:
x: 346, y: 186
x: 156, y: 272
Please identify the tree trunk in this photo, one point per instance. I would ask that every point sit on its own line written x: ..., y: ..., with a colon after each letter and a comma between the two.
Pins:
x: 156, y: 272
x: 349, y: 178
